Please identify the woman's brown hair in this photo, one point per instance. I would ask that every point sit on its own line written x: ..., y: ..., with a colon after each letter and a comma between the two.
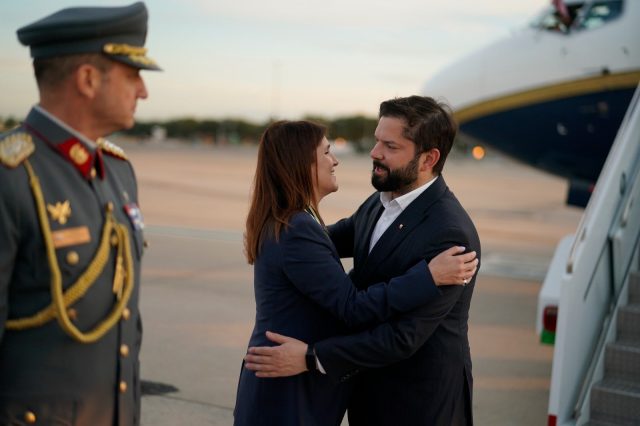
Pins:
x: 283, y: 184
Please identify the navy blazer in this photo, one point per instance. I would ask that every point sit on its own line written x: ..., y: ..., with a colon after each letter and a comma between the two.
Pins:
x: 302, y: 291
x: 427, y: 379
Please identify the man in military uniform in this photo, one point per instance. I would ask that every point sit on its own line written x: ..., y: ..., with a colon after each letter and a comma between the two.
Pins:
x: 70, y: 228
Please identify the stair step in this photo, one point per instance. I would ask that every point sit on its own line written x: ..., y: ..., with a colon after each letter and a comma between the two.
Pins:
x: 634, y: 287
x: 616, y: 401
x: 622, y: 361
x: 629, y: 323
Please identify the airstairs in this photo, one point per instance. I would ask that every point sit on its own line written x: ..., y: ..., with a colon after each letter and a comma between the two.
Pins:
x: 615, y: 399
x: 595, y: 377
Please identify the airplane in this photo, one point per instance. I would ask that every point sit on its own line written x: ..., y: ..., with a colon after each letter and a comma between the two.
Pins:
x: 556, y: 95
x: 553, y: 94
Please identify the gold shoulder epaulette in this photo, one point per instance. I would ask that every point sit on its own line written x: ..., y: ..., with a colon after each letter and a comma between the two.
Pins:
x: 15, y: 148
x: 111, y: 149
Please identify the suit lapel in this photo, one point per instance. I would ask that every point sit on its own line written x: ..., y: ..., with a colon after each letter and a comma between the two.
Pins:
x: 416, y: 213
x: 362, y: 248
x: 325, y: 234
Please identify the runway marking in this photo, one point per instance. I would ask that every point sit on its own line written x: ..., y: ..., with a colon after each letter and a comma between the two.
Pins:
x: 514, y: 266
x: 190, y: 401
x: 498, y: 264
x: 156, y: 388
x: 516, y: 343
x: 511, y: 383
x: 222, y: 235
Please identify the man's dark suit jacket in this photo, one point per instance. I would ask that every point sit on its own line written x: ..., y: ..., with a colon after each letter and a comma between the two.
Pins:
x: 302, y: 291
x: 428, y: 378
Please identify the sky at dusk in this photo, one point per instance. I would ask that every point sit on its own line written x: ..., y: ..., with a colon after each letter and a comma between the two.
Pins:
x: 255, y: 59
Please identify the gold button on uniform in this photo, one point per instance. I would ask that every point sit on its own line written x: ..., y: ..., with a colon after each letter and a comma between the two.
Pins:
x: 93, y: 173
x: 124, y: 350
x: 126, y: 314
x: 30, y: 417
x: 73, y: 258
x: 123, y: 386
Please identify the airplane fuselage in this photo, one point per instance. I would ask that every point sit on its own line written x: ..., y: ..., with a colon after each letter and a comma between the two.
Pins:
x: 548, y: 97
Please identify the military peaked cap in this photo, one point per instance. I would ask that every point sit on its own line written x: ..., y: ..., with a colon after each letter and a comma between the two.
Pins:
x: 118, y: 32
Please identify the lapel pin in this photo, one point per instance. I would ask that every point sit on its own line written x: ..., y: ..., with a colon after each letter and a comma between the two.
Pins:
x: 400, y: 226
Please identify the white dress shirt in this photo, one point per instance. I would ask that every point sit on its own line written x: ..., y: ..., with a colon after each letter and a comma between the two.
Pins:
x: 393, y: 208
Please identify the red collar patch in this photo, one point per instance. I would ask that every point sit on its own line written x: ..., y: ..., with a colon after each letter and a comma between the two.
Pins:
x: 78, y: 155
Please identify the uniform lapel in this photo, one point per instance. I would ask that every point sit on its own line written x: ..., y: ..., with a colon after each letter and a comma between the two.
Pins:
x: 75, y: 151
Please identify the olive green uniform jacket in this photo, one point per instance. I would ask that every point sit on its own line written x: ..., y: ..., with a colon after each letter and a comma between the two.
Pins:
x: 46, y: 376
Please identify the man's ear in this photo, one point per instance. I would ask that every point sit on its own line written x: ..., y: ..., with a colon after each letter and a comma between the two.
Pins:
x: 429, y: 159
x: 88, y: 80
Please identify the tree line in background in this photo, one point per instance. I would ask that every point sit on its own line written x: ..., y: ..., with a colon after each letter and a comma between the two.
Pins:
x: 356, y: 129
x: 8, y: 123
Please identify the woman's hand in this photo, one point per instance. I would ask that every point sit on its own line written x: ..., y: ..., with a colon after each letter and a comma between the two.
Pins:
x: 453, y: 268
x: 286, y: 359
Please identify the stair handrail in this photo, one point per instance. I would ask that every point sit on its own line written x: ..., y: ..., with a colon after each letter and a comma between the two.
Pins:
x: 617, y: 150
x: 623, y: 217
x: 615, y: 302
x: 572, y: 371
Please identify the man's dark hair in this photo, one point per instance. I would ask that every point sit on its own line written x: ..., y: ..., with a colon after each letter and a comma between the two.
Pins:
x: 51, y: 72
x: 428, y: 123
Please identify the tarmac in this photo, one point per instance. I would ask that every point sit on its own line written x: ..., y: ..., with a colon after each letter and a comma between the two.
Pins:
x: 197, y: 291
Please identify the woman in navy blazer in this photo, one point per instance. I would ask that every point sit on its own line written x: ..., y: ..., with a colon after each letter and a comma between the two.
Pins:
x: 301, y: 288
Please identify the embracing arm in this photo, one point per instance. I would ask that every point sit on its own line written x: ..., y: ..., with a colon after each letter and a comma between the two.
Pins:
x: 310, y: 265
x: 344, y: 356
x: 393, y: 341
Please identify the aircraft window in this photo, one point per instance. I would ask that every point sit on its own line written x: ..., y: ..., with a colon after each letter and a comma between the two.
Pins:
x: 600, y: 12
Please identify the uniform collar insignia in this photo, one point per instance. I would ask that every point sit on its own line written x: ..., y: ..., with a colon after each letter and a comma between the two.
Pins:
x: 75, y: 151
x: 78, y: 153
x: 15, y: 148
x: 60, y: 212
x: 71, y: 145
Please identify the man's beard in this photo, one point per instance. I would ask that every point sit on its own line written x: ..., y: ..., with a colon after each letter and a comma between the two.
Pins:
x: 399, y: 180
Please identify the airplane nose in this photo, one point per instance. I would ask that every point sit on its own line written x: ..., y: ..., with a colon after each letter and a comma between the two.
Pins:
x: 455, y: 83
x: 500, y: 68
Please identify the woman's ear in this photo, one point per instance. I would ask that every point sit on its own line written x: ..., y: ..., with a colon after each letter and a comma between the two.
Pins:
x: 88, y: 80
x: 429, y: 159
